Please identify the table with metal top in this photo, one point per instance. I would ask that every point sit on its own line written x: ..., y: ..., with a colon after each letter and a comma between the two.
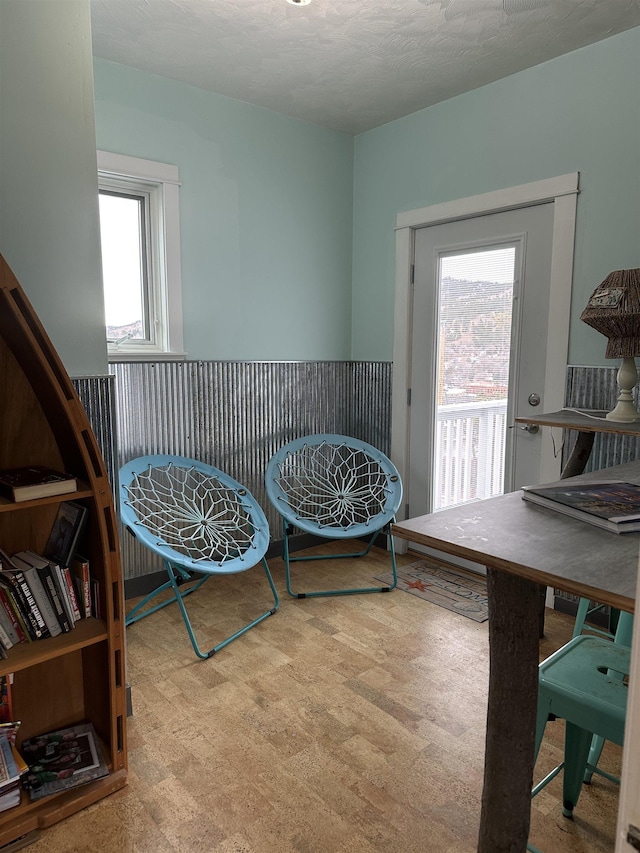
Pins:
x: 524, y: 545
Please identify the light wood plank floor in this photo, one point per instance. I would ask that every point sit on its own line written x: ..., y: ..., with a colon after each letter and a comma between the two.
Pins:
x: 339, y: 725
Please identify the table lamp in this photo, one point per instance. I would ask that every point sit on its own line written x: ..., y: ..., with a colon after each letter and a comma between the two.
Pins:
x: 614, y: 311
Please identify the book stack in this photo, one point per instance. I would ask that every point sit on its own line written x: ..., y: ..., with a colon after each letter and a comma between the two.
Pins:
x: 44, y: 595
x: 610, y: 504
x: 13, y: 767
x: 10, y: 774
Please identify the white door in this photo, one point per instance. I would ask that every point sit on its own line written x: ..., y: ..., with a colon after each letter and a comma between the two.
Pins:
x: 478, y: 355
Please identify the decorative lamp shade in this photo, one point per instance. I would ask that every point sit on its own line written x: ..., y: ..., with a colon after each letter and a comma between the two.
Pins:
x: 614, y: 310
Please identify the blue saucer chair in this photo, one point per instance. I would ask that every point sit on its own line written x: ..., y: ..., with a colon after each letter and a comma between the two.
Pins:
x: 334, y: 487
x: 201, y: 522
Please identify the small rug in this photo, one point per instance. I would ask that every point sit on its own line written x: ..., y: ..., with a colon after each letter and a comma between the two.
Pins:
x: 445, y: 586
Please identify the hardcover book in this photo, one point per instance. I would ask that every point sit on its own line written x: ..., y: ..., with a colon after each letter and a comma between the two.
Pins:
x: 7, y: 623
x: 63, y: 593
x: 81, y: 573
x: 71, y: 592
x: 612, y: 505
x: 11, y: 609
x: 66, y: 532
x: 13, y: 579
x: 34, y: 481
x: 5, y: 639
x: 46, y: 574
x: 40, y: 596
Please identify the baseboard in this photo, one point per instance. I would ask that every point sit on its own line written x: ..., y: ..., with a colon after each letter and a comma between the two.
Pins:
x: 143, y: 585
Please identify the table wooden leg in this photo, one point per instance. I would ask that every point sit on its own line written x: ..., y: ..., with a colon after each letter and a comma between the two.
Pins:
x: 511, y: 713
x: 579, y: 457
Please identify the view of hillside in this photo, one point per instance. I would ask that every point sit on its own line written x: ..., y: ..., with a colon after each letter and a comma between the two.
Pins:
x: 475, y: 337
x: 129, y: 330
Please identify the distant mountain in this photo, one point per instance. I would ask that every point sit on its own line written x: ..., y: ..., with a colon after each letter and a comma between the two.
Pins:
x: 130, y: 330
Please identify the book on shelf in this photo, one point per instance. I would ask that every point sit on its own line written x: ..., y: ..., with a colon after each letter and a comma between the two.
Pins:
x: 9, y: 626
x: 62, y: 759
x: 66, y: 531
x: 9, y: 591
x: 13, y: 768
x: 35, y: 481
x: 9, y: 607
x: 9, y: 771
x: 71, y: 592
x: 610, y: 504
x: 45, y: 572
x: 6, y: 701
x: 96, y: 601
x: 82, y: 576
x: 39, y: 594
x: 63, y: 593
x: 13, y: 578
x: 5, y: 640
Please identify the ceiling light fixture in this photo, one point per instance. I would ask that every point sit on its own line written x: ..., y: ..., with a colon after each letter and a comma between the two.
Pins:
x: 299, y: 2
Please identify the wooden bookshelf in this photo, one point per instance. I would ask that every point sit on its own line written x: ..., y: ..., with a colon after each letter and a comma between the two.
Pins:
x: 78, y: 676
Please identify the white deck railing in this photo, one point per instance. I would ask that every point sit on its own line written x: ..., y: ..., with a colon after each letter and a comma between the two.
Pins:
x: 470, y: 452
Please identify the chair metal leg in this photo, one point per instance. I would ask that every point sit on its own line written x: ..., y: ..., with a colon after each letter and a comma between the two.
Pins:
x: 138, y: 612
x: 177, y: 576
x: 576, y: 752
x: 542, y: 717
x: 288, y: 559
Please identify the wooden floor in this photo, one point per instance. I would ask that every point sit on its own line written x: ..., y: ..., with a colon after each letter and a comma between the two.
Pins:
x: 339, y: 725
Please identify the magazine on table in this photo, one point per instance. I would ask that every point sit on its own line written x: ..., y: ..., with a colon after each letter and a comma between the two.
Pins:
x: 611, y: 504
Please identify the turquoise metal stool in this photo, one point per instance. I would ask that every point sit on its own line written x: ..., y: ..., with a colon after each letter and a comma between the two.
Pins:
x: 621, y: 631
x: 201, y: 522
x: 585, y: 609
x: 584, y: 683
x: 335, y: 487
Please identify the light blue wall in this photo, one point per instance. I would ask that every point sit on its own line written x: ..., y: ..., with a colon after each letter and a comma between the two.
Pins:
x: 266, y: 210
x: 49, y: 231
x: 580, y: 112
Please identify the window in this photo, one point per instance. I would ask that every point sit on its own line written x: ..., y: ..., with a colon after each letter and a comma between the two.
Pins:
x: 140, y: 234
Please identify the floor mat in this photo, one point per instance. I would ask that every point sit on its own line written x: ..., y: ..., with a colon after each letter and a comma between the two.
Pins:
x: 443, y: 585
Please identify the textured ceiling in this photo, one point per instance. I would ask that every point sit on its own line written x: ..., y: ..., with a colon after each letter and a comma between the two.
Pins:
x: 350, y: 65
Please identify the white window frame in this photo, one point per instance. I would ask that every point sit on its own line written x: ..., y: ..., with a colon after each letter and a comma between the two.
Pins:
x: 160, y: 183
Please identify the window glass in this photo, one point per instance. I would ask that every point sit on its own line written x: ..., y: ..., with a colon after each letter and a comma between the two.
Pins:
x: 124, y: 267
x: 140, y: 235
x: 473, y: 356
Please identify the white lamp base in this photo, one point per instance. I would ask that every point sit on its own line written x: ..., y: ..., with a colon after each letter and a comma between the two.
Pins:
x: 625, y: 410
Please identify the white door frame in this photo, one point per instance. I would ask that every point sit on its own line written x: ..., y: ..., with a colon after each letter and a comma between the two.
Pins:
x: 562, y: 191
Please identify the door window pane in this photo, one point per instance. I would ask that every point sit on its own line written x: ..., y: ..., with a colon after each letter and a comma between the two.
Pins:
x: 475, y: 306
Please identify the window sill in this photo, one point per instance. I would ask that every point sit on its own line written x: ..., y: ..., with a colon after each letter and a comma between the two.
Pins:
x: 115, y: 358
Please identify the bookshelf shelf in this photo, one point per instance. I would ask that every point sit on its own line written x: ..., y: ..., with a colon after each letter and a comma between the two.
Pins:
x: 9, y: 506
x: 86, y: 632
x: 78, y: 676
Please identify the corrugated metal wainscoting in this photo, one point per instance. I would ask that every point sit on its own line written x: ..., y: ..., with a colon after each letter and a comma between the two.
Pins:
x: 235, y: 415
x: 97, y: 396
x: 596, y: 388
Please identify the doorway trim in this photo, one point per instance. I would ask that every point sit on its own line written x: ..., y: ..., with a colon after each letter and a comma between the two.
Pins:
x: 562, y: 191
